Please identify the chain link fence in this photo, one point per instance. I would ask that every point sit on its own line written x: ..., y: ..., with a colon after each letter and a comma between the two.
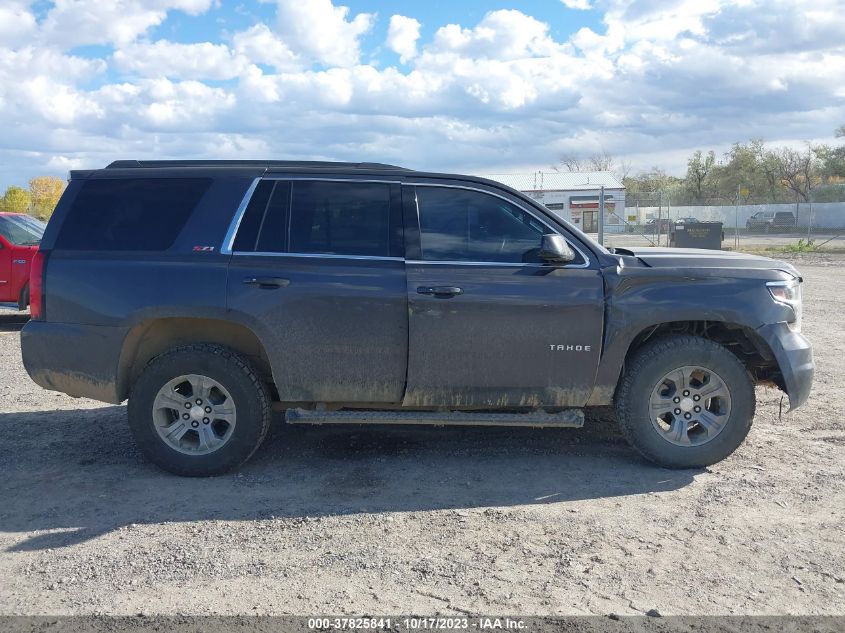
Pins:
x: 753, y: 225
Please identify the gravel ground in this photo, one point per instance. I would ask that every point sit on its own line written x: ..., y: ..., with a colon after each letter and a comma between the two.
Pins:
x: 397, y: 520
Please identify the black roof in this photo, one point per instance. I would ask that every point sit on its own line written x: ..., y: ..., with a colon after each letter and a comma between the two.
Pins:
x: 267, y: 164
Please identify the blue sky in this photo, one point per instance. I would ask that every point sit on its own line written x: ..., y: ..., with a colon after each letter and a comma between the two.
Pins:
x: 468, y: 86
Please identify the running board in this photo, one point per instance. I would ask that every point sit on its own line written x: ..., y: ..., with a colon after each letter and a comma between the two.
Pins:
x: 570, y: 418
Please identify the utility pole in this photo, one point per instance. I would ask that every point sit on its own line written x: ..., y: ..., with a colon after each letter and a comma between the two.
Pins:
x: 736, y: 219
x: 810, y: 214
x: 659, y: 214
x: 601, y: 216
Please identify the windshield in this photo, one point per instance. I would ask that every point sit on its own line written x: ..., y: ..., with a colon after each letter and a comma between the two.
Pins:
x: 21, y: 230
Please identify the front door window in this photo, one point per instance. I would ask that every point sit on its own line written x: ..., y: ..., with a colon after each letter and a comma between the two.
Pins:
x: 460, y: 225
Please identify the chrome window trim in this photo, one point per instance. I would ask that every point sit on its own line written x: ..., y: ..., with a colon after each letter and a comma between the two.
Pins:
x: 350, y: 179
x: 320, y: 256
x: 488, y: 264
x: 235, y: 224
x: 542, y: 221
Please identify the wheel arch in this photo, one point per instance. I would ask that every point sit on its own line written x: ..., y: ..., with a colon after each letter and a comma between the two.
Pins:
x: 152, y: 337
x: 741, y: 340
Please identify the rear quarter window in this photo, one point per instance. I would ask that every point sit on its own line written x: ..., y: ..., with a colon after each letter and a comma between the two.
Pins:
x: 130, y: 214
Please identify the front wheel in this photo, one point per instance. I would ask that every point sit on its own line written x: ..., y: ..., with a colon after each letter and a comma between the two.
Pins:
x: 23, y: 299
x: 685, y: 402
x: 199, y: 410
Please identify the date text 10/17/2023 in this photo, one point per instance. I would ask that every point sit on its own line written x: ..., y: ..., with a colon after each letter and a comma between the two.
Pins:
x: 480, y: 623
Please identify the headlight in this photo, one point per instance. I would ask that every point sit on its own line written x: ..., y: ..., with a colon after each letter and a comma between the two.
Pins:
x: 788, y: 293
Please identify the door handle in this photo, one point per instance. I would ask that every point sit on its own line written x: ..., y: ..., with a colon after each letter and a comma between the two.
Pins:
x: 267, y: 283
x: 440, y: 291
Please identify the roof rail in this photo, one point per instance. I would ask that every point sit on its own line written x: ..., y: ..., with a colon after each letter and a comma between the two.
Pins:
x: 269, y: 164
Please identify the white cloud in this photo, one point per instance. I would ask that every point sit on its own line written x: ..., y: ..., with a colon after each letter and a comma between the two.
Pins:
x: 260, y: 45
x: 79, y: 22
x: 319, y: 30
x: 402, y: 36
x: 503, y: 34
x: 582, y: 5
x: 17, y: 23
x: 184, y: 105
x: 203, y: 60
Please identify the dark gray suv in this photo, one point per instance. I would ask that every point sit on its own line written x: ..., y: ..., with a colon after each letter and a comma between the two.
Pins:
x: 771, y: 222
x: 210, y: 293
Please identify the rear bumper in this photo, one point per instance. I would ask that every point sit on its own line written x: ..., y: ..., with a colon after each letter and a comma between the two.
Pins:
x: 79, y: 360
x: 794, y: 355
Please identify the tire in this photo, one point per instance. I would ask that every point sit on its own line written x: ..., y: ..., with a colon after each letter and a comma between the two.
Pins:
x: 642, y: 380
x: 23, y: 300
x: 228, y: 442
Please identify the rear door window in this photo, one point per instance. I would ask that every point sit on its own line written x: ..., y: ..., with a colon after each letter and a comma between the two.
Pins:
x: 130, y: 214
x: 263, y: 226
x: 322, y: 217
x: 340, y: 218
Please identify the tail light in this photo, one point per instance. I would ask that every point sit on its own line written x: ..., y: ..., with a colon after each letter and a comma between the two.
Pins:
x: 36, y: 285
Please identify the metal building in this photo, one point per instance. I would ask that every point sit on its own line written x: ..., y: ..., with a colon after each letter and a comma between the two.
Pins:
x: 574, y: 196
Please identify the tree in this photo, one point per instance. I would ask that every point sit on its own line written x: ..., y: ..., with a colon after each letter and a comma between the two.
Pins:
x: 797, y: 170
x: 573, y: 163
x: 698, y: 169
x: 599, y: 161
x: 15, y: 200
x: 832, y: 158
x: 45, y: 192
x: 832, y: 162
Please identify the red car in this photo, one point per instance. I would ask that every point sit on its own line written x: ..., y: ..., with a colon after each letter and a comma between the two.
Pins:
x: 20, y: 236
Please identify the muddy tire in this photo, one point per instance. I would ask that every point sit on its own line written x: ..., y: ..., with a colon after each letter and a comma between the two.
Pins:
x: 199, y: 410
x: 685, y: 402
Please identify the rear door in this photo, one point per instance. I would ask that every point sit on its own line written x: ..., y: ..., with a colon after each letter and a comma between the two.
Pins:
x: 317, y: 270
x: 491, y: 326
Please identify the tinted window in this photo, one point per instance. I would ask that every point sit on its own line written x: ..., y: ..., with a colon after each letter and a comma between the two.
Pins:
x: 460, y: 225
x: 139, y: 214
x: 340, y: 218
x: 21, y: 230
x: 263, y: 224
x: 247, y: 236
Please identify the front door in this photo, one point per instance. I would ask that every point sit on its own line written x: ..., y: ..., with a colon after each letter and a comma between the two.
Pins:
x: 6, y: 272
x: 317, y: 271
x: 491, y: 326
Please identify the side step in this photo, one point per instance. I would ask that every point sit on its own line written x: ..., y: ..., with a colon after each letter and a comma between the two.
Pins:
x: 570, y: 418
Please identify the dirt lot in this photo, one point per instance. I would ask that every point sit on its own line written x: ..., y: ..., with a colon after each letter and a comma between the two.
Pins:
x: 387, y: 520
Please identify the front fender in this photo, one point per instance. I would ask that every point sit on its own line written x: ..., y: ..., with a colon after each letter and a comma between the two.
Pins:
x: 639, y: 299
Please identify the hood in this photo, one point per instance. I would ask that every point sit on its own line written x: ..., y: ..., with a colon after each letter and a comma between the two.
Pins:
x: 703, y: 258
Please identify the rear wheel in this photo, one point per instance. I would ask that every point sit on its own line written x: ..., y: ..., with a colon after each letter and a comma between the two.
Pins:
x: 685, y: 402
x: 199, y: 410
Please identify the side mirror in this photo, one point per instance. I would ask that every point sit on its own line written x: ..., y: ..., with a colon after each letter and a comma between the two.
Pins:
x: 554, y: 248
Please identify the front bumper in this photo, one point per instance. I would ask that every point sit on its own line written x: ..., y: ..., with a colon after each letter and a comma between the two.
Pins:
x: 794, y: 356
